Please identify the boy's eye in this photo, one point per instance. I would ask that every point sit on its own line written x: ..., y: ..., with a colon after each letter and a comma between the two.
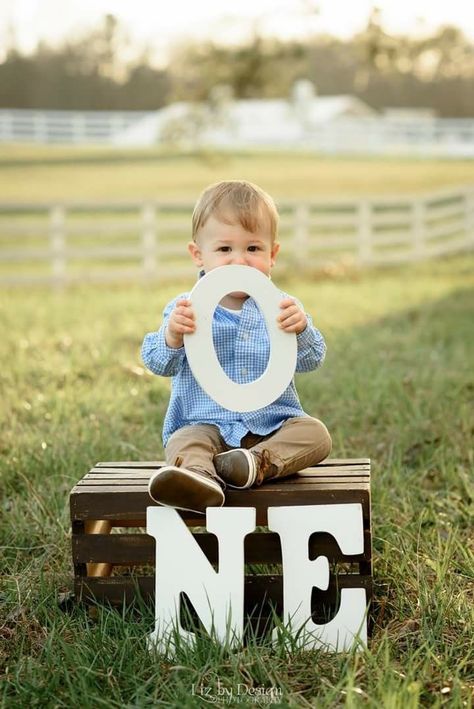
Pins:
x: 226, y: 249
x: 253, y: 248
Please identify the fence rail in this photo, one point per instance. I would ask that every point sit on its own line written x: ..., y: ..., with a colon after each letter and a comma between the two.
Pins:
x: 380, y: 135
x: 377, y: 134
x: 70, y: 242
x: 30, y: 126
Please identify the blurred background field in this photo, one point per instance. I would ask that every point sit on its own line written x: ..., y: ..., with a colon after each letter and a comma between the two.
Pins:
x: 52, y: 174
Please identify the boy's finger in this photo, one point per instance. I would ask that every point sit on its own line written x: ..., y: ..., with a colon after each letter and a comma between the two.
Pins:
x: 294, y: 325
x: 290, y: 321
x: 288, y: 313
x: 184, y: 320
x: 184, y: 323
x: 296, y: 320
x: 185, y: 310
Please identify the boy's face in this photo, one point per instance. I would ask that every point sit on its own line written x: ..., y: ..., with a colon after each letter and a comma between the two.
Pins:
x: 222, y: 244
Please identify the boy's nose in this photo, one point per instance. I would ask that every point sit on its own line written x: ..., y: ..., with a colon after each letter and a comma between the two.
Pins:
x: 239, y: 260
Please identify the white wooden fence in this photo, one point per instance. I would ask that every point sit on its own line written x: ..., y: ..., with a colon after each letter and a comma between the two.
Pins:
x: 30, y: 126
x: 377, y: 135
x: 70, y: 242
x: 380, y: 135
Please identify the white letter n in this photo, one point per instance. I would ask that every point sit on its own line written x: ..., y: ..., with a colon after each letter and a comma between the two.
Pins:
x: 182, y: 566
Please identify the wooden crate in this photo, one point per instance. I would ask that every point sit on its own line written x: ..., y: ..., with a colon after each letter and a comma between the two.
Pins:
x: 114, y: 495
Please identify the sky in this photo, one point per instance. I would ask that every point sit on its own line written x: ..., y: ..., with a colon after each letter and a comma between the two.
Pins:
x: 159, y: 24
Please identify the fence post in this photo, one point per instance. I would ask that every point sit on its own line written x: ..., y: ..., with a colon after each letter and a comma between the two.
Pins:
x: 469, y: 215
x: 301, y: 236
x: 7, y: 126
x: 364, y: 232
x: 57, y: 235
x: 149, y: 240
x: 78, y: 128
x: 418, y: 228
x: 40, y: 127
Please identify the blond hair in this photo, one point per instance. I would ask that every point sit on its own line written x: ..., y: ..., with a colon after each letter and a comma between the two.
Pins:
x: 239, y: 199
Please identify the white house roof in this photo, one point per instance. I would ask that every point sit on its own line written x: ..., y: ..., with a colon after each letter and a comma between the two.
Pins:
x: 242, y: 122
x: 327, y: 108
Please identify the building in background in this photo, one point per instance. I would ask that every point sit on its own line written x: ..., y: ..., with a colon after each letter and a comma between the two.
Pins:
x: 225, y: 122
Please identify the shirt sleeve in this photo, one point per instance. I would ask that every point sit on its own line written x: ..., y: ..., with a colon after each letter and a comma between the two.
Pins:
x: 311, y: 346
x: 156, y: 355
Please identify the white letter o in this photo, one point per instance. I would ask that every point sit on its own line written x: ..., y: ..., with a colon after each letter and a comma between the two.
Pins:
x: 202, y: 358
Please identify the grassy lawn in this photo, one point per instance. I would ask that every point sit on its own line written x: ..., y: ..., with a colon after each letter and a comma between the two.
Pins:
x: 36, y: 174
x: 397, y: 386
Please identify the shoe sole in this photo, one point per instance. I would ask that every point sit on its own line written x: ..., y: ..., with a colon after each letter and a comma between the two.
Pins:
x: 185, y: 485
x: 252, y: 463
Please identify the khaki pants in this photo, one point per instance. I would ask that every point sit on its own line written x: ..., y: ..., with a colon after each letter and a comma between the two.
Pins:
x: 300, y: 442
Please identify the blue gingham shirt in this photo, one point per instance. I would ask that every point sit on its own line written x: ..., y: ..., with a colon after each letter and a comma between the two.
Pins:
x: 242, y: 348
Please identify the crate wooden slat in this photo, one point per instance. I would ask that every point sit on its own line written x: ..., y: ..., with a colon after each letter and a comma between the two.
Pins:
x: 131, y: 464
x: 141, y: 483
x: 137, y: 549
x: 117, y: 492
x: 259, y: 589
x: 335, y: 472
x: 130, y: 502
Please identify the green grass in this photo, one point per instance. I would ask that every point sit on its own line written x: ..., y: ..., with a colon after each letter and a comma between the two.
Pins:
x: 36, y: 174
x: 397, y: 386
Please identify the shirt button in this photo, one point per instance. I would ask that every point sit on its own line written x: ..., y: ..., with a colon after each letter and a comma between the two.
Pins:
x: 245, y: 336
x: 243, y: 371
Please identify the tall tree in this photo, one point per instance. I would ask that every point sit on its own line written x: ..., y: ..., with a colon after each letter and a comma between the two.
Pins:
x: 92, y: 71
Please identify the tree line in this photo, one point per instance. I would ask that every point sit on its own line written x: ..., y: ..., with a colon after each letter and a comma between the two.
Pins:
x: 89, y: 72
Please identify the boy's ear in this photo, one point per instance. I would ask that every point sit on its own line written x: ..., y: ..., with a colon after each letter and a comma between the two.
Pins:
x: 275, y: 250
x: 195, y: 253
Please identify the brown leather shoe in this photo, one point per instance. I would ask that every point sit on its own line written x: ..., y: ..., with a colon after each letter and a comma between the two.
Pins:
x: 185, y: 489
x: 238, y: 467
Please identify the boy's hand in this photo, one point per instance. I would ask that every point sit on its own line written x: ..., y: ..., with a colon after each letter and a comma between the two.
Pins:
x: 292, y: 318
x: 181, y: 322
